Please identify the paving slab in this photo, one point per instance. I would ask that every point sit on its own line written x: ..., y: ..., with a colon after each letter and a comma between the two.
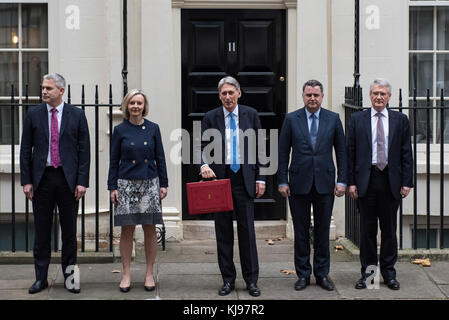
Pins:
x: 24, y: 271
x: 353, y: 266
x: 445, y: 289
x: 22, y: 294
x: 15, y: 284
x: 415, y: 284
x: 438, y: 272
x: 183, y: 258
x: 284, y: 289
x: 107, y: 273
x: 189, y: 269
x: 101, y: 291
x: 192, y: 287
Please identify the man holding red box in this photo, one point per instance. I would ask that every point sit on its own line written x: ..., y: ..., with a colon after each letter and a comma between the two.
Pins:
x: 246, y: 184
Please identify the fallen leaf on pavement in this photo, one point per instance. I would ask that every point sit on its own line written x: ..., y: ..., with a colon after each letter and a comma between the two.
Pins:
x: 422, y: 262
x: 338, y: 247
x: 115, y: 271
x: 288, y: 271
x: 270, y: 242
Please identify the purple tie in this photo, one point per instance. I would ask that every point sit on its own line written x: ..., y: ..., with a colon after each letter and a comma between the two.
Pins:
x: 54, y: 147
x: 381, y: 155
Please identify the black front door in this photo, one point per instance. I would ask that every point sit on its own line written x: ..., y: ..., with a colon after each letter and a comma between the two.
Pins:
x: 249, y: 45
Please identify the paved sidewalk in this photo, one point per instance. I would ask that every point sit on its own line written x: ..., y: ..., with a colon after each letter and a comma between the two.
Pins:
x: 188, y: 270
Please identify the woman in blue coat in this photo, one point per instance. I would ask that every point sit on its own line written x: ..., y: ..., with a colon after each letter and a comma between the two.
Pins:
x: 137, y: 182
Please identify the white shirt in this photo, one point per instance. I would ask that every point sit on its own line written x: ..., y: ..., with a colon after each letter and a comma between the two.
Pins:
x: 227, y: 119
x: 59, y: 115
x: 374, y: 120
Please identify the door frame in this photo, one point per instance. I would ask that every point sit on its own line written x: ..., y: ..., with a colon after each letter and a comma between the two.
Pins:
x: 291, y: 74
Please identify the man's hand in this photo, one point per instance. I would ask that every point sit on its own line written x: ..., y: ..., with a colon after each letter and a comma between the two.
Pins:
x: 284, y: 191
x: 339, y: 190
x: 260, y: 189
x: 29, y: 191
x: 405, y: 191
x: 163, y: 193
x: 353, y: 193
x: 80, y: 191
x: 114, y: 197
x: 207, y: 172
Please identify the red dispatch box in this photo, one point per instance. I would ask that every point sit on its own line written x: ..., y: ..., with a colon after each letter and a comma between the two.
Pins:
x: 209, y: 196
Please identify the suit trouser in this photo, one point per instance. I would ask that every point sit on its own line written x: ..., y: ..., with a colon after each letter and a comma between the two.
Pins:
x: 54, y: 190
x: 322, y: 212
x: 378, y: 203
x: 244, y: 210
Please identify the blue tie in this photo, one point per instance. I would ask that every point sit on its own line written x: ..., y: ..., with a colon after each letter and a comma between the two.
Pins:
x: 313, y: 130
x: 235, y: 166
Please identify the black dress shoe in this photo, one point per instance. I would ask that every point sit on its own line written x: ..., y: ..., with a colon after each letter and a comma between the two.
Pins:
x: 38, y: 286
x: 253, y: 289
x: 73, y: 290
x: 325, y: 283
x: 125, y: 289
x: 149, y: 288
x: 302, y: 283
x: 393, y: 284
x: 226, y: 289
x: 361, y: 284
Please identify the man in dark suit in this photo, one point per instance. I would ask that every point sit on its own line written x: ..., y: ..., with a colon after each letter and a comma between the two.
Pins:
x: 311, y: 133
x: 379, y: 174
x: 246, y: 184
x: 54, y: 165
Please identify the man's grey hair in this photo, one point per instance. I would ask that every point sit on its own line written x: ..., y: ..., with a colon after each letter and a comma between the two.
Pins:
x: 229, y: 80
x: 380, y: 82
x: 57, y: 78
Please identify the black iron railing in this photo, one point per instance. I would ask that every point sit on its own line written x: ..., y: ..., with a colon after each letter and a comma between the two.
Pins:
x: 421, y: 126
x: 14, y: 106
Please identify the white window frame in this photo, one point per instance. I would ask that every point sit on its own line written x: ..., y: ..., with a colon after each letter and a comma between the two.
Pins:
x: 434, y: 95
x: 5, y: 150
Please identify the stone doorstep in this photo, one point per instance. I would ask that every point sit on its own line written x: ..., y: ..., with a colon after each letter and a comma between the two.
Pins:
x: 205, y: 230
x: 404, y: 255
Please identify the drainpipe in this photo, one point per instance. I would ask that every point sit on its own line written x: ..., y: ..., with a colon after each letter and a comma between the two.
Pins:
x: 125, y: 47
x: 357, y: 45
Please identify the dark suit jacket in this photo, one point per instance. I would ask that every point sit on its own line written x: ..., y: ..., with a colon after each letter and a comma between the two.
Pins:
x: 74, y: 146
x: 137, y: 154
x: 359, y: 142
x: 309, y: 165
x: 248, y: 119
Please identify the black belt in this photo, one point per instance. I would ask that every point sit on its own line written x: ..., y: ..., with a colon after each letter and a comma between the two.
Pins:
x: 374, y: 168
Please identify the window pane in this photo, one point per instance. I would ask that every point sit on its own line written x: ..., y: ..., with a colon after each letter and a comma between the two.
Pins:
x: 420, y: 73
x: 443, y: 28
x: 34, y: 26
x: 9, y: 74
x: 35, y: 66
x: 443, y: 73
x: 5, y: 124
x: 421, y: 238
x: 446, y: 238
x: 9, y: 25
x: 445, y: 124
x: 421, y: 122
x: 421, y: 28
